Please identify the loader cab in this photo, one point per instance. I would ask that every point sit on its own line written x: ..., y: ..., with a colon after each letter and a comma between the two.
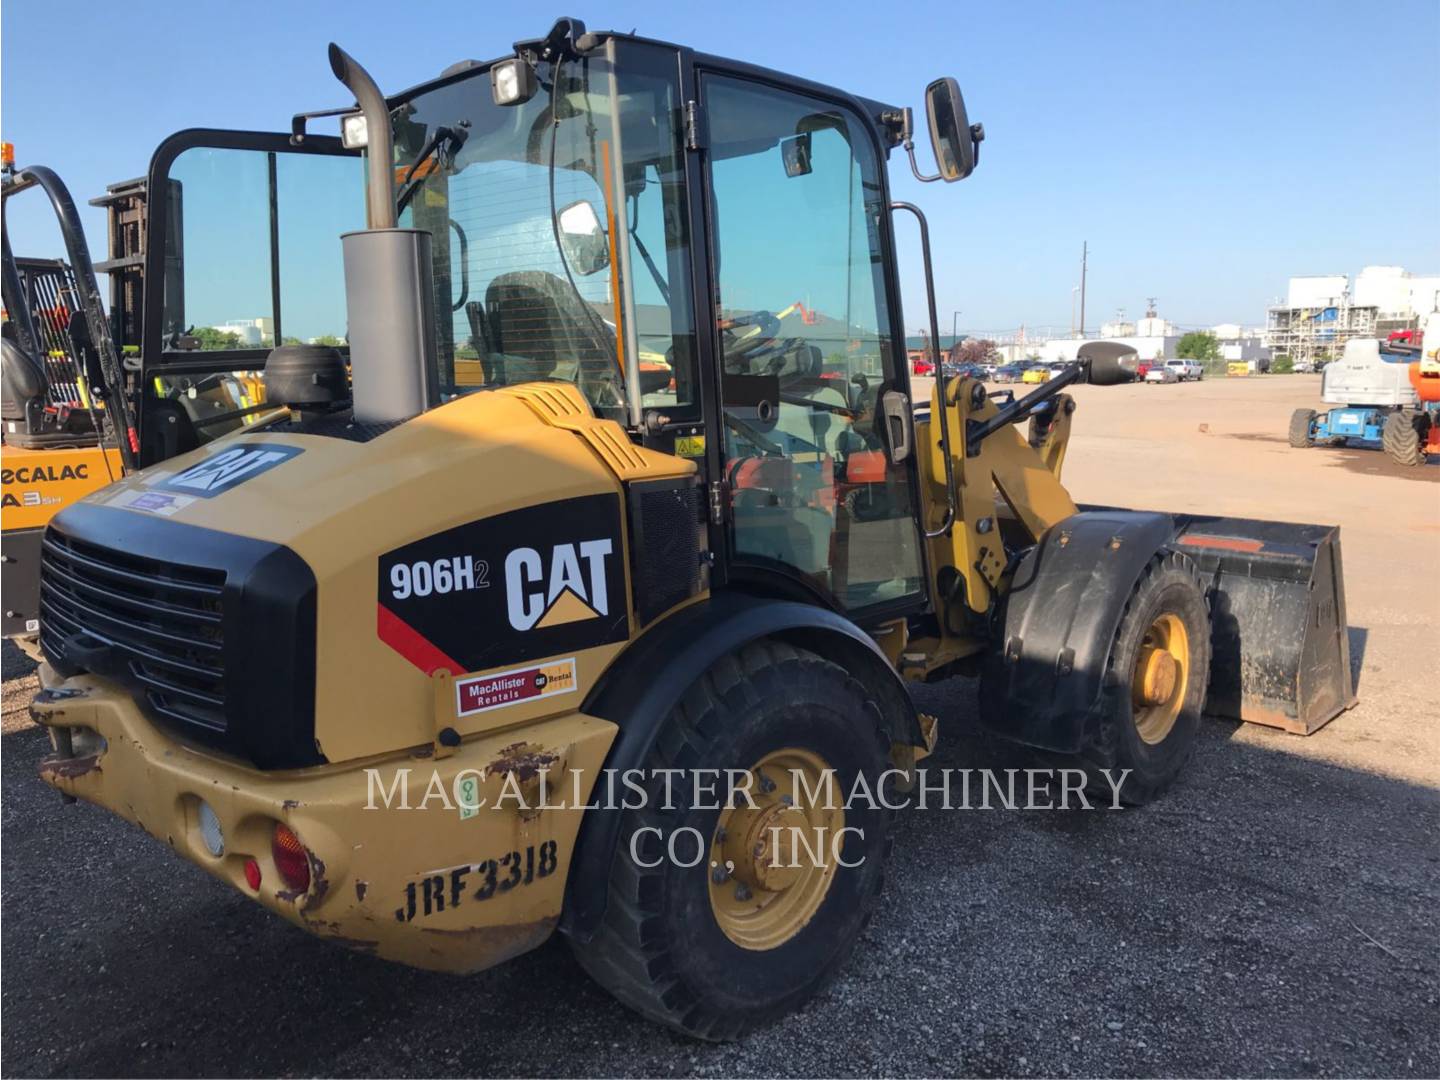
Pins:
x: 703, y: 247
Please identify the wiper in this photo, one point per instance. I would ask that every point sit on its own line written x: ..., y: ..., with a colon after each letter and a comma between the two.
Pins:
x: 444, y: 137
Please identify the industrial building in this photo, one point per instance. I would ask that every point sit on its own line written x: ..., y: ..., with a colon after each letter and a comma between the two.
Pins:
x: 1322, y: 312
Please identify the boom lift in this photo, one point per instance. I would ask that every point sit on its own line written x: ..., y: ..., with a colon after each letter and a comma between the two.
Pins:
x: 491, y: 560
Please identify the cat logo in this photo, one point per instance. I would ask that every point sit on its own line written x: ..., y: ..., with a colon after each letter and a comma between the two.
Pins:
x: 574, y: 589
x: 223, y: 471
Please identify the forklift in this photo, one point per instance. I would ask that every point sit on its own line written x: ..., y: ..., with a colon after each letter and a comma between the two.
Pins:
x: 447, y: 652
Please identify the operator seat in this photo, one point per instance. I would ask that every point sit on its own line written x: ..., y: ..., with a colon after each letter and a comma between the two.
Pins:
x: 29, y: 418
x: 536, y: 324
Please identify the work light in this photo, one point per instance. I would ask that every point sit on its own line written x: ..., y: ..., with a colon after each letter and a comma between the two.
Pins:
x: 512, y: 82
x: 354, y: 131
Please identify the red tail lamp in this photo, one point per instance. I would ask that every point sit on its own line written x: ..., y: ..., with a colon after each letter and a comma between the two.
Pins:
x: 291, y: 859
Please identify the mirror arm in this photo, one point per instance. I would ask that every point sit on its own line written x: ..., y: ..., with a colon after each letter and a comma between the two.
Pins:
x: 907, y: 139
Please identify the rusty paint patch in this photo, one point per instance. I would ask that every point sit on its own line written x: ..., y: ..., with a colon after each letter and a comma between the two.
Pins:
x: 319, y: 883
x: 427, y: 751
x: 58, y: 768
x: 290, y: 804
x: 523, y: 761
x: 361, y: 888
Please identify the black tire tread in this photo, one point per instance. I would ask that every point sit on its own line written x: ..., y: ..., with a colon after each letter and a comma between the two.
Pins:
x: 1300, y: 421
x: 628, y: 955
x: 1098, y: 750
x: 1404, y: 437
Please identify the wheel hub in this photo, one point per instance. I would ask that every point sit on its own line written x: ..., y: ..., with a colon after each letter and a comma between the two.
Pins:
x: 771, y: 864
x: 761, y: 847
x: 1161, y: 677
x: 1158, y: 675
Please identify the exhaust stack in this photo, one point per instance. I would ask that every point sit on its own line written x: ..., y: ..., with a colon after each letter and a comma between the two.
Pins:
x: 389, y: 280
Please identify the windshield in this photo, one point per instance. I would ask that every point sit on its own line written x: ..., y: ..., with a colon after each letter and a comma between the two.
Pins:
x: 558, y: 226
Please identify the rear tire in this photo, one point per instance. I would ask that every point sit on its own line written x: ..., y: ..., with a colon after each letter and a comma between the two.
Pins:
x: 1139, y: 725
x: 1404, y: 437
x: 667, y: 947
x: 1301, y: 423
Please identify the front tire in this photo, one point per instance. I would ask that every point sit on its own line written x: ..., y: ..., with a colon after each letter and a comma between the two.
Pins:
x: 729, y: 944
x: 1404, y: 437
x: 1302, y: 422
x: 1148, y: 715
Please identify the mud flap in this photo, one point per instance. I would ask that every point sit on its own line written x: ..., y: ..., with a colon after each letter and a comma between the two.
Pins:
x: 1280, y: 640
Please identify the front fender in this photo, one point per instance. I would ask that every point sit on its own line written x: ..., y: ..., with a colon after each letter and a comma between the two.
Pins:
x: 1059, y: 620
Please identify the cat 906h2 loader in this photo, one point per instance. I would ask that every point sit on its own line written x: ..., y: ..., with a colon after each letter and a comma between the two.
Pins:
x: 571, y: 502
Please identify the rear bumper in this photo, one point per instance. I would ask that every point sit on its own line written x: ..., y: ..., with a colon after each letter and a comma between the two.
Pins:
x: 398, y: 867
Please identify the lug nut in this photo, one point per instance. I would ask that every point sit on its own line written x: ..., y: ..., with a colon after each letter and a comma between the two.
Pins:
x: 766, y: 784
x: 719, y: 874
x: 742, y: 892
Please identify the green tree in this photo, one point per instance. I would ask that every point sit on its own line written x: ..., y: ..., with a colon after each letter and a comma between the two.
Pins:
x: 1198, y: 345
x: 328, y: 339
x: 1281, y: 365
x: 213, y: 340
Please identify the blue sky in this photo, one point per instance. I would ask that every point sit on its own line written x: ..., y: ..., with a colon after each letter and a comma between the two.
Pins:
x: 1206, y: 151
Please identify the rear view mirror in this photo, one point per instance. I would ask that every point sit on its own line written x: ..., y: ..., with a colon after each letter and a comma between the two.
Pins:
x: 955, y: 142
x: 1108, y: 363
x: 586, y: 247
x: 795, y: 153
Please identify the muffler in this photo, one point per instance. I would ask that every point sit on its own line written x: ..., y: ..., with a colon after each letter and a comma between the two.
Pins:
x: 389, y: 280
x: 1279, y: 635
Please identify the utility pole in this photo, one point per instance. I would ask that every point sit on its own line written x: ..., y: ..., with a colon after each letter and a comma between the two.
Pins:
x: 954, y: 333
x: 1084, y: 266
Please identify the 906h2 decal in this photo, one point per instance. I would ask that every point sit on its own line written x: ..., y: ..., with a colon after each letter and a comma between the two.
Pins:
x: 506, y: 589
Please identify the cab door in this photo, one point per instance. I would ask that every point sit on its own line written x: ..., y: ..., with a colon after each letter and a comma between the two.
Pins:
x: 818, y: 485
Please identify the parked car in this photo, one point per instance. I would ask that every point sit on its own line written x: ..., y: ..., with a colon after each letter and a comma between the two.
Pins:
x: 1037, y: 373
x: 1186, y: 369
x: 1009, y: 373
x: 1162, y: 373
x: 923, y: 366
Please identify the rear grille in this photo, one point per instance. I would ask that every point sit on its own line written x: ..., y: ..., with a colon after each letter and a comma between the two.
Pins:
x: 160, y: 624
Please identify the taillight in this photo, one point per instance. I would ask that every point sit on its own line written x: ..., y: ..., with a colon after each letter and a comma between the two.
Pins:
x: 290, y: 857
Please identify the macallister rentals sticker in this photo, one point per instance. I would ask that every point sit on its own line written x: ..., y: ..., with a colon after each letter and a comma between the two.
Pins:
x: 486, y: 692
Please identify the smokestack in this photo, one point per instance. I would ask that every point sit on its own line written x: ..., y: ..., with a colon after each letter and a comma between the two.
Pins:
x: 389, y: 279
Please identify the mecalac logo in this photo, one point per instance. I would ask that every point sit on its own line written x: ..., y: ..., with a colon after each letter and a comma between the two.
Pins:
x: 227, y: 469
x: 573, y: 588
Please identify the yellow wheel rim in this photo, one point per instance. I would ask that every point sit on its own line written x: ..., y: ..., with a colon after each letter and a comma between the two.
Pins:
x: 1161, y: 677
x: 771, y: 865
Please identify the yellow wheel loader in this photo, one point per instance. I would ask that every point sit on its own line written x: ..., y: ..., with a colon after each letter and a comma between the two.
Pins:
x: 488, y: 635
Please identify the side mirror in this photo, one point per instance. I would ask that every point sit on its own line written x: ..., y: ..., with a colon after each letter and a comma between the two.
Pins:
x: 1109, y: 363
x: 795, y: 153
x: 955, y: 142
x: 586, y: 247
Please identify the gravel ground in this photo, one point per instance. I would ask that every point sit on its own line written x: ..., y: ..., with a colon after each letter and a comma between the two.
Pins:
x: 1276, y: 914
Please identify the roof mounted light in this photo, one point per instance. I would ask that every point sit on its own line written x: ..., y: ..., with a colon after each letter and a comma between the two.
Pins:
x: 354, y: 131
x: 512, y: 82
